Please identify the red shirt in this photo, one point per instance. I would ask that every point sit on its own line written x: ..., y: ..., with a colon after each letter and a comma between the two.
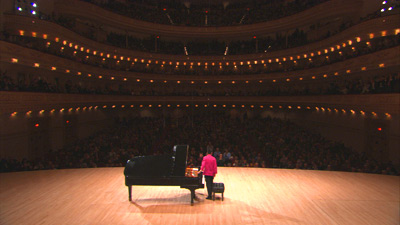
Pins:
x: 209, y: 165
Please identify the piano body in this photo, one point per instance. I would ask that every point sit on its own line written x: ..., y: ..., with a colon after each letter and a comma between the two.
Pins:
x: 162, y: 170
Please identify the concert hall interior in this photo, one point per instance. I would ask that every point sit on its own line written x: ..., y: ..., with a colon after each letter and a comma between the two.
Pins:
x: 298, y: 99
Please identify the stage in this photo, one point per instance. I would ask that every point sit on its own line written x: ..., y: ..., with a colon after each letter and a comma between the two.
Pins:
x: 252, y: 196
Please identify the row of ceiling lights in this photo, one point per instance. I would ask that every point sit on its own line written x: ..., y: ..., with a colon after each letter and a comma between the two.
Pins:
x: 53, y: 68
x: 318, y: 109
x: 184, y: 63
x: 177, y: 63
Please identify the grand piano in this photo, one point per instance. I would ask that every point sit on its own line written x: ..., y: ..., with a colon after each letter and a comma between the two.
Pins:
x: 162, y: 170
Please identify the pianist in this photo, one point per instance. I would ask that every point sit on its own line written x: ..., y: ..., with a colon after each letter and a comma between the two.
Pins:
x: 209, y: 169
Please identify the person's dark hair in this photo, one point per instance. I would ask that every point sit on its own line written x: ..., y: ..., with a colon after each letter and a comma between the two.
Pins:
x: 209, y: 151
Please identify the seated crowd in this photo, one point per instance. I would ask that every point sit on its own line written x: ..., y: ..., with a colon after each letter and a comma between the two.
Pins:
x: 389, y: 83
x: 237, y: 142
x: 250, y: 45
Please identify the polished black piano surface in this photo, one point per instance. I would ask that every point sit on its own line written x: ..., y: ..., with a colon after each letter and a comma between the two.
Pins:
x: 163, y: 170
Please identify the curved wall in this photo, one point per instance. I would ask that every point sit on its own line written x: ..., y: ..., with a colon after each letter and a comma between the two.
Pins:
x: 375, y: 104
x: 370, y: 29
x: 385, y: 59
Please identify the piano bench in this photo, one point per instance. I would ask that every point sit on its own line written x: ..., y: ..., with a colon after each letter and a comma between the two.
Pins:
x: 218, y: 188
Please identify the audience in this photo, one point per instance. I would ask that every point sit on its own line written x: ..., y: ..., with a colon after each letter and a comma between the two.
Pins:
x: 269, y: 65
x: 388, y: 83
x: 245, y: 142
x: 272, y: 42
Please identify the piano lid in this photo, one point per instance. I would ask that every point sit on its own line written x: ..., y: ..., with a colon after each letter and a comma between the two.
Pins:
x: 180, y: 153
x: 159, y: 165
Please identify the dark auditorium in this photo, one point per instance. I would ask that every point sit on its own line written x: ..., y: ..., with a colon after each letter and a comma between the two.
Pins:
x: 200, y: 112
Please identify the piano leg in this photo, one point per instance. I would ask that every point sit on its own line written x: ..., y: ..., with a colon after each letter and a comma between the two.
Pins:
x: 192, y: 196
x: 192, y: 190
x: 130, y: 192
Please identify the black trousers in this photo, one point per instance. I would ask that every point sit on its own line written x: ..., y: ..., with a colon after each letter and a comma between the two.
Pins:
x: 209, y: 184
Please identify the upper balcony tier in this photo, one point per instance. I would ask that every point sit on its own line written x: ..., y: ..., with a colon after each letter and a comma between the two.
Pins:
x: 54, y: 33
x: 211, y: 13
x: 387, y: 59
x: 108, y: 20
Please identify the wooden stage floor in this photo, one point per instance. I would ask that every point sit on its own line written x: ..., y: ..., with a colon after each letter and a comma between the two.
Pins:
x: 252, y: 196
